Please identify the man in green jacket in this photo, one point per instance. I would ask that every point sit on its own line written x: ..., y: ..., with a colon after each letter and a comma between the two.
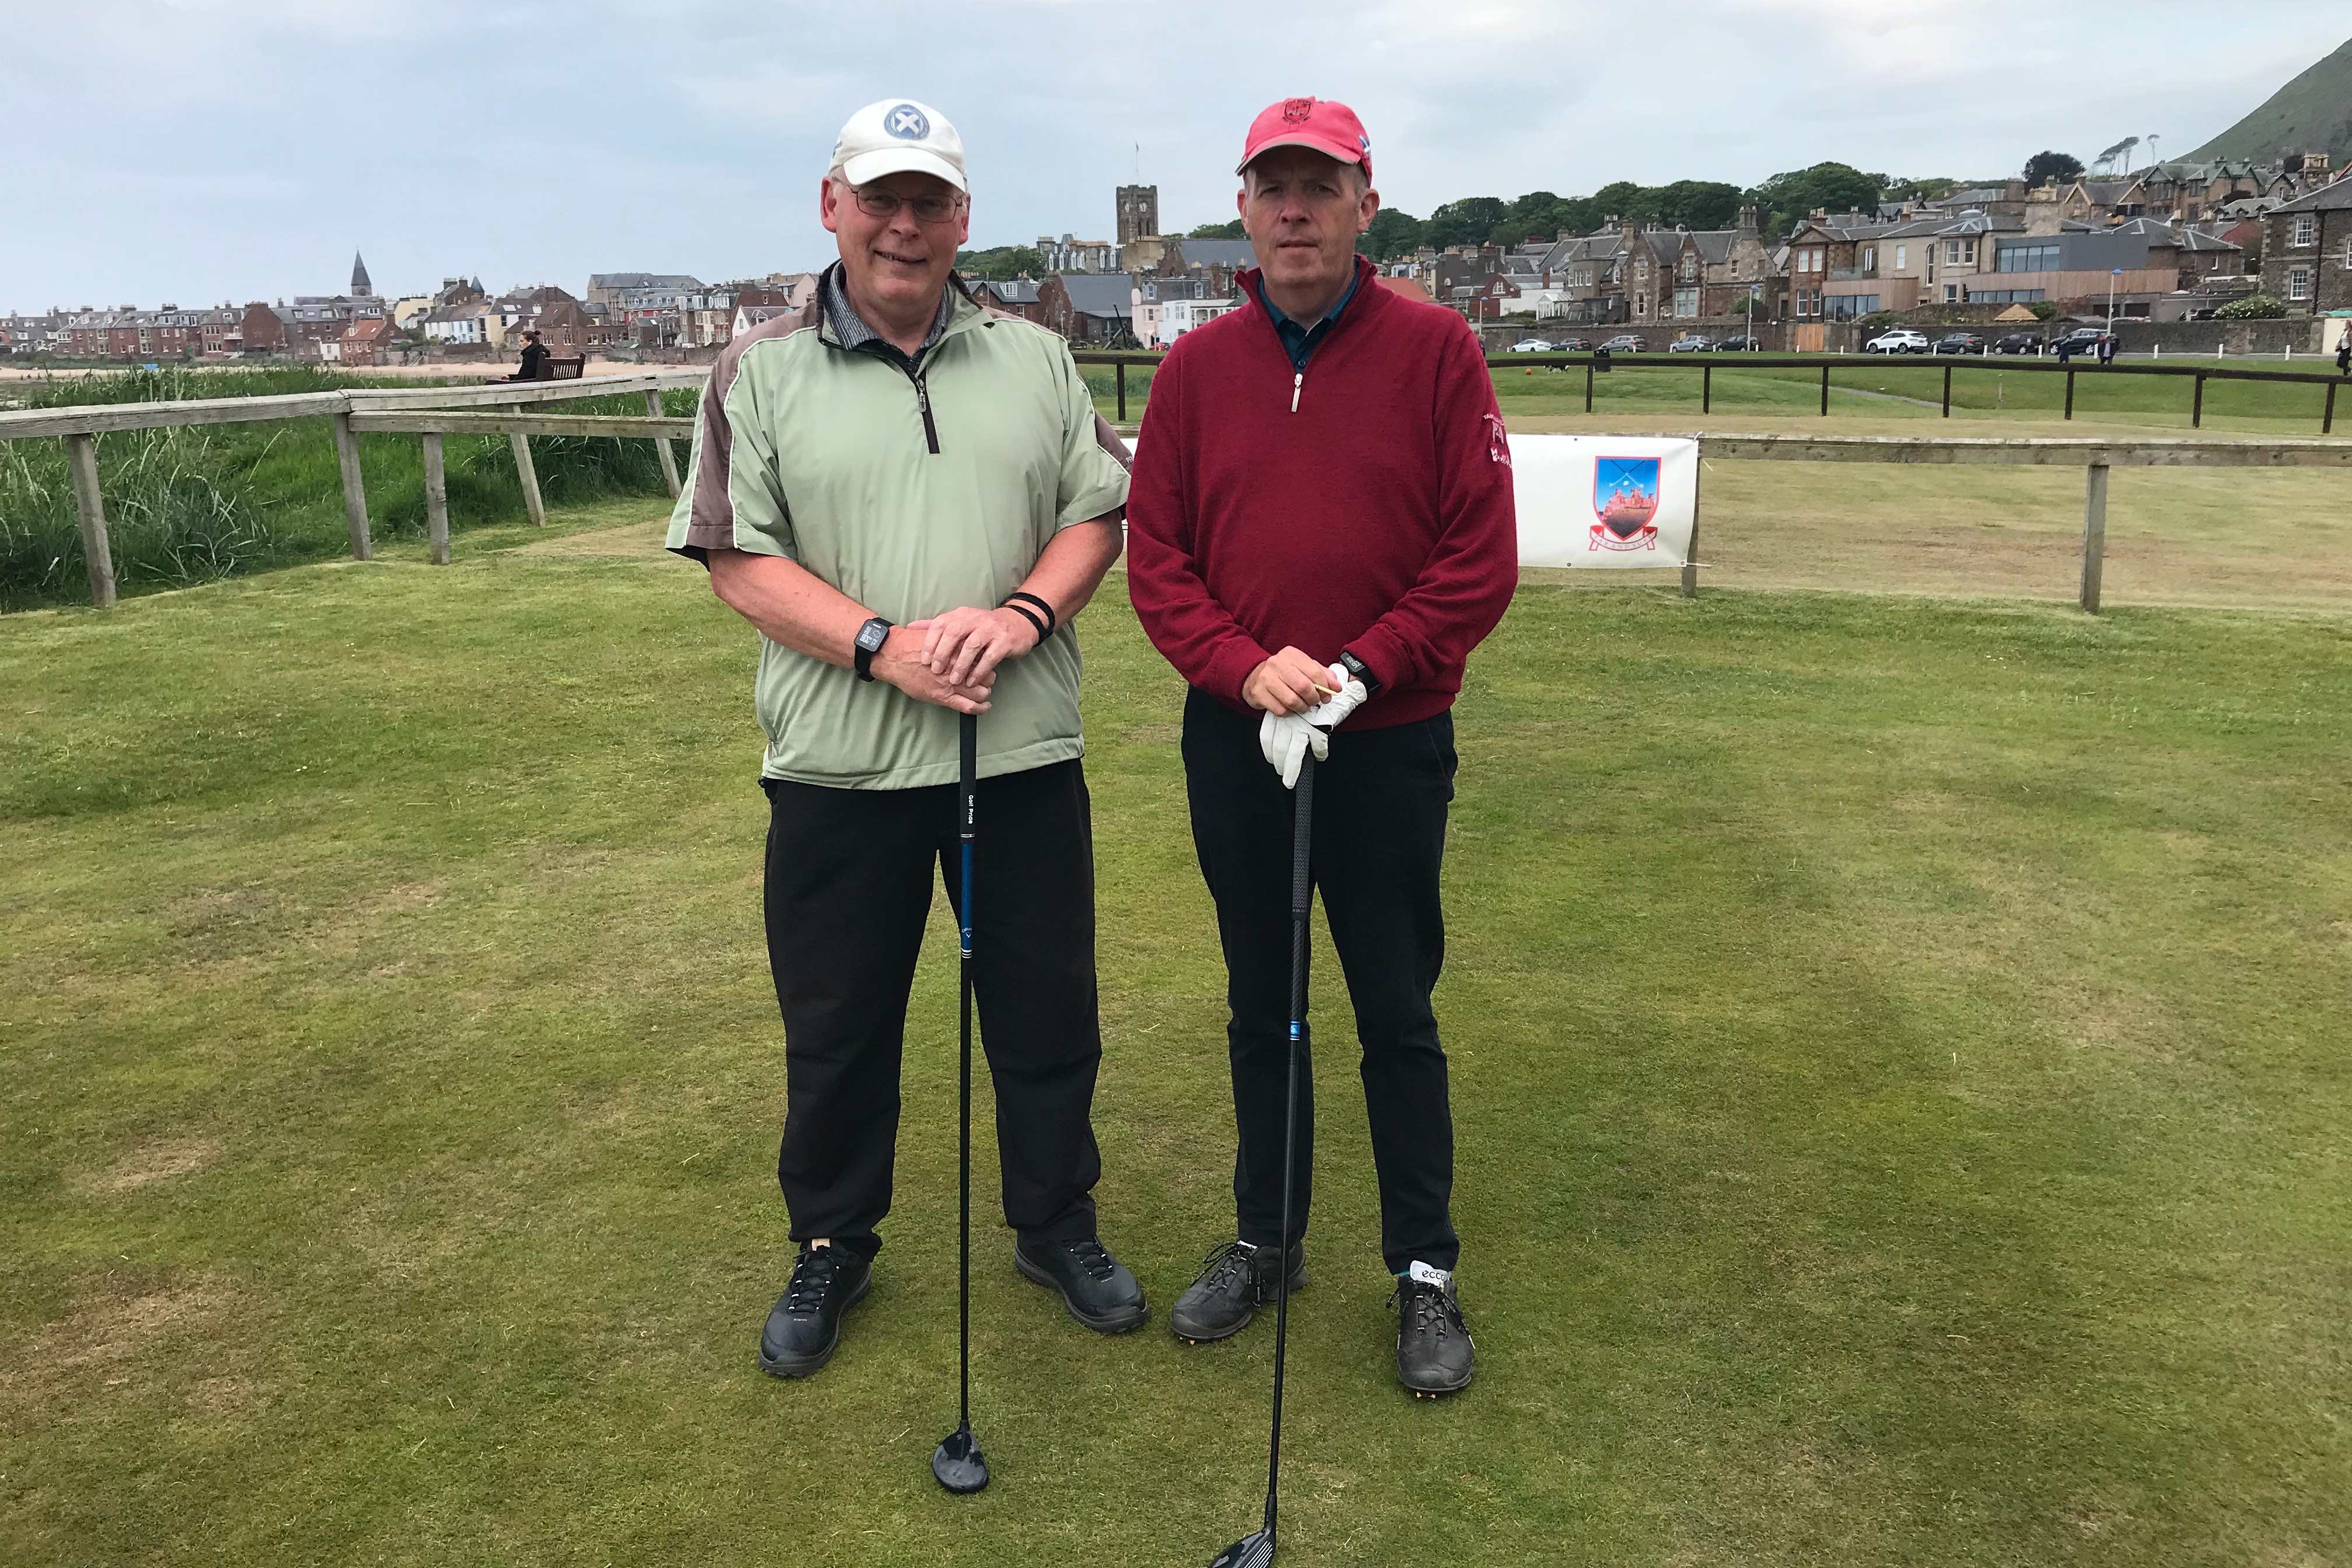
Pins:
x: 910, y: 497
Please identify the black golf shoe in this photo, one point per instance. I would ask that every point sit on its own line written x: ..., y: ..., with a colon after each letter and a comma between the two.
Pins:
x: 1434, y: 1354
x: 1234, y: 1281
x: 805, y: 1324
x: 1097, y: 1286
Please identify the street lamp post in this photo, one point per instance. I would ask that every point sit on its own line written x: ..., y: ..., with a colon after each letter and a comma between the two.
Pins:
x: 2112, y: 275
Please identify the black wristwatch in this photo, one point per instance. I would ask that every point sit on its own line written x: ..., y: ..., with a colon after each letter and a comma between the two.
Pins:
x: 870, y: 637
x: 1357, y: 667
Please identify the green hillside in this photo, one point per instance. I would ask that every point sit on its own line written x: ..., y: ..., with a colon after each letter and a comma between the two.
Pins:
x: 2313, y: 113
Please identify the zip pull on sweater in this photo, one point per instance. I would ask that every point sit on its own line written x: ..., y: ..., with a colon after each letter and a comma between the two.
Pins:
x: 1297, y: 380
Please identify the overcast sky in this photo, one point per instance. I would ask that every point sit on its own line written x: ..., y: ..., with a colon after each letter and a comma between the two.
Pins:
x: 197, y: 151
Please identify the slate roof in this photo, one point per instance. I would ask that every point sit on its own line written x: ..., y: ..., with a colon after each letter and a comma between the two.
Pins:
x: 2336, y: 197
x: 1099, y: 293
x: 1235, y: 253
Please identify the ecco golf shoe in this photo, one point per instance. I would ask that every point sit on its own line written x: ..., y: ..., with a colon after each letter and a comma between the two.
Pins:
x: 1234, y: 1281
x: 805, y: 1326
x: 1434, y: 1354
x: 1097, y: 1288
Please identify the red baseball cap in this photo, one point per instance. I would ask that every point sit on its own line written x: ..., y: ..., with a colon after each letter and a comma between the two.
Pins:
x: 1325, y: 124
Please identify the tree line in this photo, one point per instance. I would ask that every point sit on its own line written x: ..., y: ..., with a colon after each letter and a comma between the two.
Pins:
x: 1782, y: 202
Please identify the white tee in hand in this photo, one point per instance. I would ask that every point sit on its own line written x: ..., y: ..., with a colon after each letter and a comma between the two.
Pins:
x: 1285, y: 737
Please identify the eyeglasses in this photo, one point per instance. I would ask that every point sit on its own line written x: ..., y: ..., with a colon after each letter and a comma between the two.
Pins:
x: 876, y: 202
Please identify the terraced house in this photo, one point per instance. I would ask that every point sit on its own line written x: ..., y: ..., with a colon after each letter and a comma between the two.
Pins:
x: 2307, y: 251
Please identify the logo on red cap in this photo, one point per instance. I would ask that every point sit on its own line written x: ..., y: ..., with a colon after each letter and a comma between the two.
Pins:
x: 1294, y: 111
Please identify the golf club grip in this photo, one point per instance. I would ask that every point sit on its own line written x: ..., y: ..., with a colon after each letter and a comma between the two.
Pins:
x: 967, y: 807
x: 1302, y: 845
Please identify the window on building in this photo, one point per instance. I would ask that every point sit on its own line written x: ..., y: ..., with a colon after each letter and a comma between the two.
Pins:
x: 1902, y: 257
x: 1868, y: 259
x: 1959, y: 252
x: 2026, y: 259
x: 1686, y: 301
x: 2305, y: 228
x: 1951, y: 293
x: 1846, y: 307
x: 2298, y: 284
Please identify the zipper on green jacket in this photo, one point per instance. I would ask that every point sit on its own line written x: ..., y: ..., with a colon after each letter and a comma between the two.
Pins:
x: 923, y: 402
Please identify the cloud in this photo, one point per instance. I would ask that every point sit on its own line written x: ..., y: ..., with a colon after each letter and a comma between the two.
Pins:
x: 204, y: 149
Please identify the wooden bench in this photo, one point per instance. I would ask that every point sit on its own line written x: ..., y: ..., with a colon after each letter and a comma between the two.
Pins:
x: 554, y: 369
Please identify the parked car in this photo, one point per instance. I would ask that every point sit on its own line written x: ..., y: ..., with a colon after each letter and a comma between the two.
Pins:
x: 1626, y: 343
x: 1960, y: 343
x: 1531, y: 346
x: 1901, y: 340
x: 2018, y: 343
x: 1573, y: 345
x: 1696, y: 343
x: 1740, y: 345
x: 2081, y: 340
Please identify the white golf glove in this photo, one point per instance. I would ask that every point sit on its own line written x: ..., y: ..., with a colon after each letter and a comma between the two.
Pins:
x: 1285, y: 737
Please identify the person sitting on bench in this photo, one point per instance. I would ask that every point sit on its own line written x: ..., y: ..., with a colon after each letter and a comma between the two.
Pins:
x: 534, y: 360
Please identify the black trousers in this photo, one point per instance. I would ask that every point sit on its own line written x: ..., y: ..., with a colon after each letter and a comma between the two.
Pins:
x: 1379, y: 839
x: 849, y: 891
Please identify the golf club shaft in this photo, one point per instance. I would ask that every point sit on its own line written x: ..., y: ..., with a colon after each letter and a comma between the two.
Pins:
x: 1302, y: 893
x: 968, y: 785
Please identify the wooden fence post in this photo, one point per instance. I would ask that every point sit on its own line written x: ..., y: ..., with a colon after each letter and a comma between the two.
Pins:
x: 1588, y: 384
x: 1690, y: 562
x: 530, y: 478
x: 2197, y: 408
x: 2327, y: 416
x: 2094, y: 536
x: 97, y: 549
x: 347, y: 457
x: 669, y: 458
x: 1948, y: 391
x: 1825, y: 391
x: 1707, y: 389
x: 2070, y: 391
x: 1121, y: 368
x: 436, y: 501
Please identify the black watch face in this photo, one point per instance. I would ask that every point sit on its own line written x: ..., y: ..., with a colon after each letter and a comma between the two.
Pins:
x: 871, y: 635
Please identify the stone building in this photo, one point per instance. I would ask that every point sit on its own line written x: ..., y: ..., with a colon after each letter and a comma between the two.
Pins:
x: 2307, y: 251
x: 1139, y: 213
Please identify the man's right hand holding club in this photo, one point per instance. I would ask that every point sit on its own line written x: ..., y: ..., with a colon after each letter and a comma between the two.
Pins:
x: 1296, y: 718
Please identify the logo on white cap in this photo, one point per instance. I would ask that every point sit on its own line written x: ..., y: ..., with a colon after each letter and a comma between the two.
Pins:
x: 907, y: 122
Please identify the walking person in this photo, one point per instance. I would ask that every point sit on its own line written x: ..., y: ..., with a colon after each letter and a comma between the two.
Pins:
x: 2107, y: 349
x: 2344, y: 353
x: 910, y: 497
x: 1320, y: 531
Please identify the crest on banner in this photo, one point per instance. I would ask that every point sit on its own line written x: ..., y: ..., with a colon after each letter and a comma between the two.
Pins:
x: 1624, y: 498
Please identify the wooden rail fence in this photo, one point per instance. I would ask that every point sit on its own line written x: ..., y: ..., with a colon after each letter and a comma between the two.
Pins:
x: 430, y: 412
x: 434, y: 412
x: 1706, y: 364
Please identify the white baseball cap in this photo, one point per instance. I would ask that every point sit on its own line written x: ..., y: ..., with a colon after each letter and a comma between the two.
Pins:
x: 895, y: 136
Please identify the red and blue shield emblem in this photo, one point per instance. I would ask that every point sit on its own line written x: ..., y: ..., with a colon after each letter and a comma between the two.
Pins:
x: 1624, y: 498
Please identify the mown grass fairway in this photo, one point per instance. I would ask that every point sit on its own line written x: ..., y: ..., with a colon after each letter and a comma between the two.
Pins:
x: 1899, y: 1057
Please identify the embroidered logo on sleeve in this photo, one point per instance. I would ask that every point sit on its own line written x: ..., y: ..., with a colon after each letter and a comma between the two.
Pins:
x: 1498, y: 442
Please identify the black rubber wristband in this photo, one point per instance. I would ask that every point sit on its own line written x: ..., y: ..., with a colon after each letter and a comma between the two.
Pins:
x: 1355, y: 667
x: 1052, y: 620
x: 1036, y: 625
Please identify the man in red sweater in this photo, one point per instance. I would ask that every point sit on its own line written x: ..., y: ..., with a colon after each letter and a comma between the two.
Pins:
x: 1321, y: 504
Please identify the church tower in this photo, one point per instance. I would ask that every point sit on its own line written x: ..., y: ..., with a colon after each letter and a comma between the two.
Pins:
x: 361, y: 287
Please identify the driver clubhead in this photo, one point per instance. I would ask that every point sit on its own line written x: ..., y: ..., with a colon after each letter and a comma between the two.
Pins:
x: 1249, y: 1551
x: 958, y: 1463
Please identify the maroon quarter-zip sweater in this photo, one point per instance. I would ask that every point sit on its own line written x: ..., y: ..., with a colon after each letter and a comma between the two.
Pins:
x: 1375, y: 518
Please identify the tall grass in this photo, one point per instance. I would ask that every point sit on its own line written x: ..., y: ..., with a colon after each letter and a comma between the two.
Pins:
x: 191, y: 504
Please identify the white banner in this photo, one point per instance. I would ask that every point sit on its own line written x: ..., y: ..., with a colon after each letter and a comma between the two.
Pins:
x: 1604, y: 500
